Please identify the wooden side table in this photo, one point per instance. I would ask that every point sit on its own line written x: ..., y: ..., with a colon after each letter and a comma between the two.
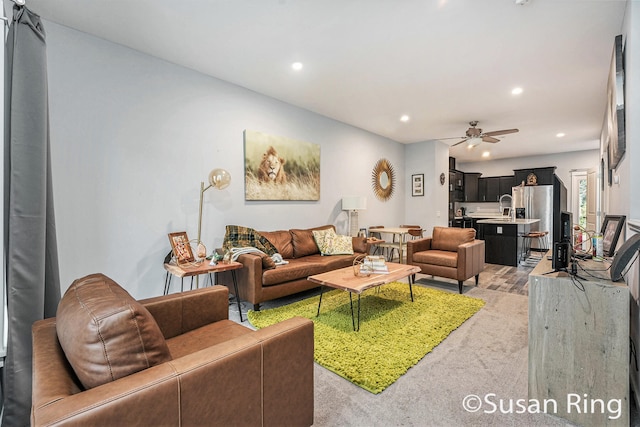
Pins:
x: 190, y: 270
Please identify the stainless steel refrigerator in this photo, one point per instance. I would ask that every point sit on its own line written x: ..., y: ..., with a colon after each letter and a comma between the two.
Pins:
x: 538, y: 202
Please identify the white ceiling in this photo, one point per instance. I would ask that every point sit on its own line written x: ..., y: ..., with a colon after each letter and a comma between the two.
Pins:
x: 367, y: 62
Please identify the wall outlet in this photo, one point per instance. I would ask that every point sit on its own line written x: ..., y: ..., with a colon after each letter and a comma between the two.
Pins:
x: 437, y: 214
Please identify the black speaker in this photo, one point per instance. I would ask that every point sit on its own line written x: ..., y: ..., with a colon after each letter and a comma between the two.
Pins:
x: 623, y: 256
x: 561, y: 255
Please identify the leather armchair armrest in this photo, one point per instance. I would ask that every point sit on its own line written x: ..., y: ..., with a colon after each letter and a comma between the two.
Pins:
x: 288, y: 348
x: 272, y: 369
x: 182, y: 312
x: 417, y: 245
x: 470, y: 259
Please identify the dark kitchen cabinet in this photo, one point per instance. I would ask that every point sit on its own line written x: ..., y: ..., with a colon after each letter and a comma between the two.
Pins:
x: 489, y: 189
x: 482, y: 189
x: 459, y: 183
x: 492, y: 187
x: 506, y: 183
x: 471, y: 187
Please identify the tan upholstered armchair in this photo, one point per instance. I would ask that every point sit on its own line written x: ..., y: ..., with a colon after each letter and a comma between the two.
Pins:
x: 453, y: 253
x: 202, y: 369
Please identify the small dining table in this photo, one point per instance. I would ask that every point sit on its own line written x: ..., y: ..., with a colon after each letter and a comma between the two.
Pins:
x: 401, y: 232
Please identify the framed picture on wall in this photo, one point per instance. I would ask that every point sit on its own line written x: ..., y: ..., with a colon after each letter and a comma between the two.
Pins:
x: 280, y: 168
x: 417, y: 185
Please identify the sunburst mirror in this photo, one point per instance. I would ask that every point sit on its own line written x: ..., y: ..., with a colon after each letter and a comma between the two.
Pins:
x: 383, y: 180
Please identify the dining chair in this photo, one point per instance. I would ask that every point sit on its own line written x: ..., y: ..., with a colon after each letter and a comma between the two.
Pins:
x: 415, y: 232
x: 385, y: 249
x: 377, y: 248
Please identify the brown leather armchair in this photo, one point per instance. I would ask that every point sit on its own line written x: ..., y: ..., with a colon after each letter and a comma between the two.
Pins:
x: 219, y: 372
x: 453, y: 253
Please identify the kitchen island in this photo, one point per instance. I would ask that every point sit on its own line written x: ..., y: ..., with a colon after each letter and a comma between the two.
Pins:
x: 502, y: 237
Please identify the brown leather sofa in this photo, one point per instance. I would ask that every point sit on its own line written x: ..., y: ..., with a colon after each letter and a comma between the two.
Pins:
x: 218, y: 372
x: 297, y: 246
x: 450, y: 252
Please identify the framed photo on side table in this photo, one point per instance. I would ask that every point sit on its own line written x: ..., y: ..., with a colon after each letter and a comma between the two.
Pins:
x: 611, y: 229
x: 417, y: 185
x: 181, y: 247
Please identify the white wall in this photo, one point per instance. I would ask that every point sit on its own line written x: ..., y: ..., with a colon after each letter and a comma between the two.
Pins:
x: 430, y: 158
x: 132, y: 137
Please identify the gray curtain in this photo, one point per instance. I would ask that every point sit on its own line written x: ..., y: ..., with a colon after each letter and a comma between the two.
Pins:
x: 33, y: 281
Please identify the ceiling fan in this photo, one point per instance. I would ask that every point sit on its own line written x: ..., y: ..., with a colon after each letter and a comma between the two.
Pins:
x: 475, y: 136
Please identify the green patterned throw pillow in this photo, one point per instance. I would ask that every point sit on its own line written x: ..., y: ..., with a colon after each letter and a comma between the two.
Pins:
x: 330, y: 243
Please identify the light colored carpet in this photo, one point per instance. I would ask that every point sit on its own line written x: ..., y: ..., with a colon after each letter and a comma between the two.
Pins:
x: 394, y: 334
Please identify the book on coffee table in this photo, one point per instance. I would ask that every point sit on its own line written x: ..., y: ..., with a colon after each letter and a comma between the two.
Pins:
x: 376, y: 264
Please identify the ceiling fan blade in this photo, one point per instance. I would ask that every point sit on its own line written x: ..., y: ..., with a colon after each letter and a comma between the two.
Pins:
x: 453, y: 137
x: 458, y: 143
x: 490, y: 139
x: 501, y: 132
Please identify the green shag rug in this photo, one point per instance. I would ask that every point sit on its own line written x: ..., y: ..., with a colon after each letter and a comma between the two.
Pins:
x: 394, y: 332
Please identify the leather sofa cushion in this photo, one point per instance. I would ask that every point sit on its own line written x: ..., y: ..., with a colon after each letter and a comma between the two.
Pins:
x: 296, y: 269
x: 281, y: 239
x: 105, y: 333
x: 436, y: 257
x: 449, y: 238
x: 303, y: 242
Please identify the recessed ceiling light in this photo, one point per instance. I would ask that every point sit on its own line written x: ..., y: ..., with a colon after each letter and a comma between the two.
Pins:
x: 560, y: 134
x: 486, y: 154
x: 516, y: 91
x: 297, y: 66
x: 404, y: 118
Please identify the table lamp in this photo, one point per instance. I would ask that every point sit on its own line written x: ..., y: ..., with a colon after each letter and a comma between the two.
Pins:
x: 353, y: 204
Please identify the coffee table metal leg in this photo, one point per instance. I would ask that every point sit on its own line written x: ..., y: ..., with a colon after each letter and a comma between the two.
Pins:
x: 358, y: 312
x: 411, y: 287
x: 235, y: 288
x: 320, y: 301
x: 353, y: 321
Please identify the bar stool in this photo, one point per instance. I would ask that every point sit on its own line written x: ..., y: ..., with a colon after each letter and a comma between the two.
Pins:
x: 541, y: 238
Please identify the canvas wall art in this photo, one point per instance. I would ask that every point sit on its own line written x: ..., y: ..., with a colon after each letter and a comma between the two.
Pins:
x: 280, y: 168
x: 615, y: 109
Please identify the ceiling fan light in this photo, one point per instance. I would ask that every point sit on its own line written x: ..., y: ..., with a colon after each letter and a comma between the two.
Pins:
x: 473, y: 142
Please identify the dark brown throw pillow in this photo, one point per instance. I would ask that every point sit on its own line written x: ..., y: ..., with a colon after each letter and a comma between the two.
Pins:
x: 303, y: 242
x: 105, y: 333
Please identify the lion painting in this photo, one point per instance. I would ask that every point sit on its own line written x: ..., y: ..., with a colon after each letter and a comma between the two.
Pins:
x: 271, y: 168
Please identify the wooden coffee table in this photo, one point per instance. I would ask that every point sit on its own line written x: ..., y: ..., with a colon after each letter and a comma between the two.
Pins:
x: 346, y: 280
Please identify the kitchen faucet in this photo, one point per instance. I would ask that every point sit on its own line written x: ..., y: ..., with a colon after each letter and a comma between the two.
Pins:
x: 502, y: 200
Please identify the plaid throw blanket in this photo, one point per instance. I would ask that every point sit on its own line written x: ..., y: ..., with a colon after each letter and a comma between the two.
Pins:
x: 237, y: 236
